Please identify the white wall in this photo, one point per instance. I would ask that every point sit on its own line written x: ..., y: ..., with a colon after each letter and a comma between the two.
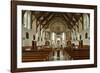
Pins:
x: 25, y: 41
x: 5, y: 38
x: 82, y: 32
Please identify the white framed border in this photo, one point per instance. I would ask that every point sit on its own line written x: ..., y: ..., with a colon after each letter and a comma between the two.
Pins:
x: 20, y: 64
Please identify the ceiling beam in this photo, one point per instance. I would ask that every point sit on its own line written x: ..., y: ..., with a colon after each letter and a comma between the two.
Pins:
x: 48, y: 20
x: 45, y: 18
x: 70, y: 17
x: 68, y: 21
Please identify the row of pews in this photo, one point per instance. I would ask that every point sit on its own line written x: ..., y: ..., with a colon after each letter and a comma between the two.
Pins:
x: 36, y: 55
x: 79, y: 53
x: 45, y: 54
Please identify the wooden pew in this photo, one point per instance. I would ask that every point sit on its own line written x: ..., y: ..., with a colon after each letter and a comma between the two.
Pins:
x: 35, y: 56
x: 39, y: 55
x: 78, y: 54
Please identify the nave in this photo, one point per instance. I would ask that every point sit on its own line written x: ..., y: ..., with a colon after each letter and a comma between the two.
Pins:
x: 55, y: 36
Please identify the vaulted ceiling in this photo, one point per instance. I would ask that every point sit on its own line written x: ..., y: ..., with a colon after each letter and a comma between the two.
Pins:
x: 44, y: 17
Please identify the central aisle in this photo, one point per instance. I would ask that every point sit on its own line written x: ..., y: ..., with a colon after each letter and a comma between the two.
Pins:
x: 60, y: 55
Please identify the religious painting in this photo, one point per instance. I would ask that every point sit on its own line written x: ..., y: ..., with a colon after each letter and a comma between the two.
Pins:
x: 57, y: 36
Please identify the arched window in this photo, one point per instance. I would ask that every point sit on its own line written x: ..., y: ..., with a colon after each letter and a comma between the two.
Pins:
x: 86, y: 21
x: 27, y: 19
x: 80, y: 37
x: 27, y: 35
x: 33, y: 37
x: 80, y: 26
x: 86, y: 35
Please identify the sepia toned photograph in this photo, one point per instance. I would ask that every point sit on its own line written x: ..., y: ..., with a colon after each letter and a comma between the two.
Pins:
x: 55, y: 36
x: 52, y: 36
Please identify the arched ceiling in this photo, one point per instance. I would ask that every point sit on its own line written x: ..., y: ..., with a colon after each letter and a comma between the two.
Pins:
x: 44, y: 18
x: 57, y: 27
x: 57, y: 24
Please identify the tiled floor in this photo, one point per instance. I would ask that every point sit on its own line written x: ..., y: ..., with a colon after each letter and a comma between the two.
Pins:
x: 63, y: 56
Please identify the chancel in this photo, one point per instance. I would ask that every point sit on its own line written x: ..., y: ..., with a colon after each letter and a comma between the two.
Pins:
x: 55, y: 36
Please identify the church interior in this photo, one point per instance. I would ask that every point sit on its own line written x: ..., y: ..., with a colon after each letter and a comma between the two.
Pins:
x: 55, y: 36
